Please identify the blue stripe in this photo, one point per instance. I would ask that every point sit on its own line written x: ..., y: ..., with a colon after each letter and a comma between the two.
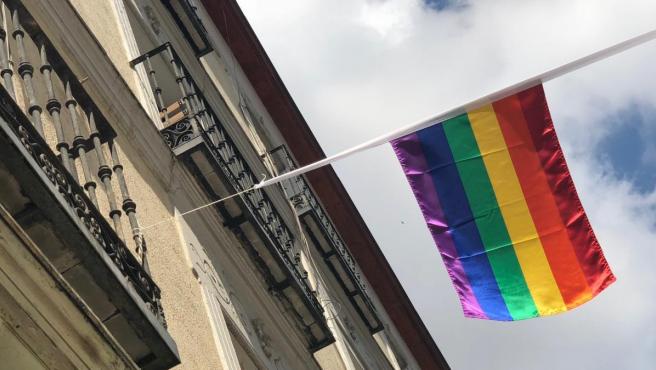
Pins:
x: 462, y: 226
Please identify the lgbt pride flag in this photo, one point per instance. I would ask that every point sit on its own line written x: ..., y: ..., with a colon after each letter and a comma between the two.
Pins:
x: 499, y: 201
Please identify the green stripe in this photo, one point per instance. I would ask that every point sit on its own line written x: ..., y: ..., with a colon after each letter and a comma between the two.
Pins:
x: 488, y: 217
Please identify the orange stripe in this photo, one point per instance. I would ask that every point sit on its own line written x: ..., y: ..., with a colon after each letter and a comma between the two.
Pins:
x: 515, y: 212
x: 542, y: 205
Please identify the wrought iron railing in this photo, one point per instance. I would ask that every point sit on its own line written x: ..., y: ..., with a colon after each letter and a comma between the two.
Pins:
x: 304, y: 199
x: 81, y: 135
x: 77, y: 199
x: 201, y: 121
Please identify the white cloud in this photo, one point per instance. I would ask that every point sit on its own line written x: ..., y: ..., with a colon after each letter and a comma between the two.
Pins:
x: 356, y: 75
x: 392, y: 20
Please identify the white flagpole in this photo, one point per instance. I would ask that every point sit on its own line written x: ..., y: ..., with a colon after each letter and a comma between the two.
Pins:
x: 500, y: 94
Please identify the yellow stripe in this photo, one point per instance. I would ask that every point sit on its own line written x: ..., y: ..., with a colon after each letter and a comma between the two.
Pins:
x: 525, y: 239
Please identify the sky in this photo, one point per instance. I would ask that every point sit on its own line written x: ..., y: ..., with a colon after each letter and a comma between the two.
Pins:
x: 361, y: 68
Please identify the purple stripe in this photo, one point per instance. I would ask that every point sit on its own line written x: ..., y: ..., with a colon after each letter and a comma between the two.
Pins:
x: 409, y: 152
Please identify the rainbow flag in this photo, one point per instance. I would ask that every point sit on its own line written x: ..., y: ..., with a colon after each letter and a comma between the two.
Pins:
x: 500, y: 203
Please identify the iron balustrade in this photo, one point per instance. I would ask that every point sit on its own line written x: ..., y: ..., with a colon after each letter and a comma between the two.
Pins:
x: 200, y: 120
x: 304, y: 199
x: 82, y: 137
x: 22, y: 130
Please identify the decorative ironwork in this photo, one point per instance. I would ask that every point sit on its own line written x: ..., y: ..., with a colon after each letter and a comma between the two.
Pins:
x: 79, y: 145
x: 242, y: 177
x: 200, y: 120
x: 78, y: 108
x: 304, y: 198
x: 129, y: 206
x: 105, y: 174
x: 331, y: 232
x: 96, y: 136
x: 5, y: 70
x: 178, y: 134
x: 63, y: 183
x: 26, y: 71
x: 54, y: 109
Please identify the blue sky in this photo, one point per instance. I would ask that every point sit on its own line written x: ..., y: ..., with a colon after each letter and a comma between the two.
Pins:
x: 370, y: 66
x: 630, y: 146
x: 443, y: 4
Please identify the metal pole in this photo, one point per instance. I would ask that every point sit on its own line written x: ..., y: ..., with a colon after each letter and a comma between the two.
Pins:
x: 489, y: 98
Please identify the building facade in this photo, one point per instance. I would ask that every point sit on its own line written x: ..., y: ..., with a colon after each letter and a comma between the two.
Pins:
x: 121, y: 122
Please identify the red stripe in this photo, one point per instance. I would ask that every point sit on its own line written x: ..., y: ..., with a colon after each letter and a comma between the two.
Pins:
x: 586, y: 247
x: 541, y: 203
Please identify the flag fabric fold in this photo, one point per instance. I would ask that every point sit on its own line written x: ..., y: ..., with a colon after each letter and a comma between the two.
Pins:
x: 498, y: 199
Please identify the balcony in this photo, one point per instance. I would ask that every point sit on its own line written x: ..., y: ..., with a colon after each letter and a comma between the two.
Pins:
x: 76, y: 223
x: 324, y: 236
x: 315, y: 220
x: 184, y: 14
x: 197, y: 136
